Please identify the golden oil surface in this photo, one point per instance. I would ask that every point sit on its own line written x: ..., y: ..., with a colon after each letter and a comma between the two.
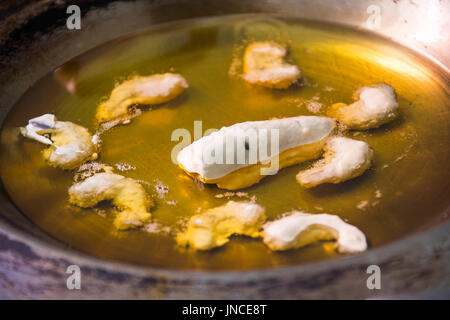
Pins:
x: 404, y: 192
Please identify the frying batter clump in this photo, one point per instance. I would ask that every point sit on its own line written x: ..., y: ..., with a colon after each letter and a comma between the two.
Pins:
x: 298, y: 229
x: 213, y: 227
x: 376, y: 106
x: 299, y: 139
x: 264, y: 65
x: 148, y: 90
x: 344, y: 159
x: 128, y: 195
x: 70, y: 145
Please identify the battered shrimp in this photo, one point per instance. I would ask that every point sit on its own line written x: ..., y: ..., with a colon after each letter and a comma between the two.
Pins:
x: 264, y: 65
x: 149, y: 90
x: 128, y: 195
x: 298, y: 139
x: 343, y: 159
x: 377, y: 105
x: 213, y: 227
x: 70, y: 145
x: 298, y: 229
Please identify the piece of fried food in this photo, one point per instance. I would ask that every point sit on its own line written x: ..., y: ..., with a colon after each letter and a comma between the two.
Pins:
x: 299, y: 139
x: 213, y: 227
x: 149, y: 90
x: 344, y: 159
x: 264, y: 65
x: 128, y: 195
x: 376, y: 106
x: 70, y: 145
x: 298, y: 229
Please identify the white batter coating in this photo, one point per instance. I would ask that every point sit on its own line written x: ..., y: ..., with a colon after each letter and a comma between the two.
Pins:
x: 128, y: 195
x: 293, y: 132
x: 148, y: 90
x: 70, y: 145
x: 377, y: 105
x: 46, y: 121
x: 344, y: 159
x: 213, y: 227
x: 298, y: 229
x: 264, y: 65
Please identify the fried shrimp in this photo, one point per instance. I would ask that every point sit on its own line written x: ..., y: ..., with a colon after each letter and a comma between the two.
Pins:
x: 264, y: 65
x: 70, y: 145
x: 128, y: 195
x: 298, y: 139
x: 376, y: 106
x: 213, y: 227
x: 149, y: 90
x: 344, y: 159
x: 298, y: 229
